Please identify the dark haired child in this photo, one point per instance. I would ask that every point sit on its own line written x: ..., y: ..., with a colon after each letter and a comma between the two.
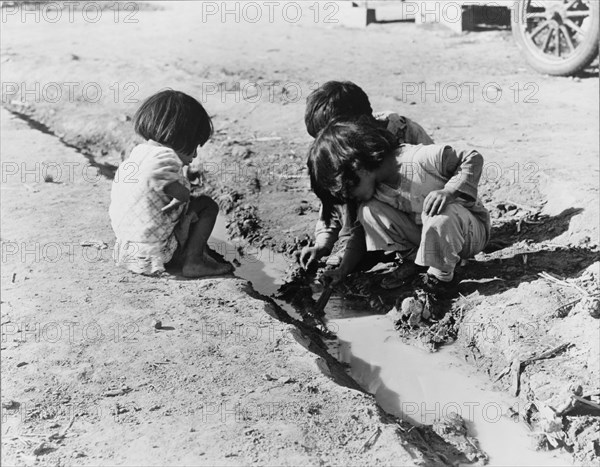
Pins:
x: 414, y: 200
x: 344, y: 101
x: 152, y: 214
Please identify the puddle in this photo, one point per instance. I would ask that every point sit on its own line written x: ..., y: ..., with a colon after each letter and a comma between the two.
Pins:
x: 263, y: 267
x: 408, y: 382
x: 421, y: 386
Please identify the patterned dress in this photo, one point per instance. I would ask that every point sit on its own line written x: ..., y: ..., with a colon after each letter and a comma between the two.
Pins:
x: 146, y: 237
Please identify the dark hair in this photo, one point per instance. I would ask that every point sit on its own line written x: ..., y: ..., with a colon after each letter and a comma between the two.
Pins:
x: 173, y: 119
x: 335, y: 100
x: 338, y: 152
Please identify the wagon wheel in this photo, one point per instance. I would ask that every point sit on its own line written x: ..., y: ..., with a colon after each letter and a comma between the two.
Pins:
x: 557, y: 37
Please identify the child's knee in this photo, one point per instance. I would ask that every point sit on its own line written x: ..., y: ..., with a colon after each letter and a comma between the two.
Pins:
x: 371, y: 211
x: 449, y: 218
x: 204, y: 205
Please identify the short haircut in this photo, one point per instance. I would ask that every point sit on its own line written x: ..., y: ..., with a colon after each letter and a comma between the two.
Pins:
x: 338, y: 152
x: 335, y: 100
x: 175, y: 120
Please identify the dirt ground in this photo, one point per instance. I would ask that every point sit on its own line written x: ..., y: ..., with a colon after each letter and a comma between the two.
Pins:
x: 143, y: 391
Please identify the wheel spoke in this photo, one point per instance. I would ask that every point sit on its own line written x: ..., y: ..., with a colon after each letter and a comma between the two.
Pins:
x: 570, y: 4
x: 573, y: 26
x: 534, y: 14
x: 577, y: 14
x: 567, y: 38
x: 557, y: 41
x: 547, y: 41
x: 539, y: 29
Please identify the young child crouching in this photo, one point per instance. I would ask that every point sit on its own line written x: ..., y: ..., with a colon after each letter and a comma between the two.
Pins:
x: 420, y: 201
x: 346, y: 101
x: 152, y: 214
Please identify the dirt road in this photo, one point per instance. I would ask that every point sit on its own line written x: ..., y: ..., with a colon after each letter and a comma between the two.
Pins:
x: 139, y: 388
x: 88, y: 380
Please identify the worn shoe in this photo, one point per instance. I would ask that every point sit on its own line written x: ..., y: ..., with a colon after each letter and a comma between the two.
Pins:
x: 434, y: 296
x: 401, y: 275
x: 438, y: 288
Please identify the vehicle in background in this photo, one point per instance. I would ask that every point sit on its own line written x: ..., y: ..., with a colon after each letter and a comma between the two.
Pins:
x: 556, y: 37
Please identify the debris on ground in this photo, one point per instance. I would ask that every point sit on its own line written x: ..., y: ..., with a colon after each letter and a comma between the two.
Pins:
x: 453, y: 429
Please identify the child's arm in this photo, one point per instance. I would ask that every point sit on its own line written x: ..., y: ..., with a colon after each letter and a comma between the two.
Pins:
x: 325, y: 237
x: 165, y: 168
x: 416, y: 134
x: 353, y: 254
x: 463, y: 169
x: 179, y: 194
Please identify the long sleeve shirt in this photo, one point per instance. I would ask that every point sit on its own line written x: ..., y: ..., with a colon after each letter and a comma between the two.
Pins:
x: 344, y: 217
x: 424, y: 169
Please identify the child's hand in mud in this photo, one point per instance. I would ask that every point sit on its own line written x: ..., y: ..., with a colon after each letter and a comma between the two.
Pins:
x: 436, y: 201
x: 333, y: 276
x: 173, y: 204
x: 309, y: 255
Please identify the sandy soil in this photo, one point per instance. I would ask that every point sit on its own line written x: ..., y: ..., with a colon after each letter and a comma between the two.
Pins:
x: 539, y: 138
x: 88, y: 379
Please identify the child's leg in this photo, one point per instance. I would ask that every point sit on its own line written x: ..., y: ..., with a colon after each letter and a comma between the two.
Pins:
x: 448, y: 237
x: 196, y: 263
x: 387, y: 228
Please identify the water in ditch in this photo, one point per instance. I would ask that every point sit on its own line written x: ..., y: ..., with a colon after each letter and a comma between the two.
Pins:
x: 408, y: 382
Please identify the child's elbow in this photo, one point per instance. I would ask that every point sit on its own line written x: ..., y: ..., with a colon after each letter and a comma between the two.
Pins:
x: 476, y: 157
x: 185, y: 195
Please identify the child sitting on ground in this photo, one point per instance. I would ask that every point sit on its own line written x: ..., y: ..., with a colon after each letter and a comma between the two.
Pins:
x: 420, y: 201
x: 152, y: 214
x: 341, y: 101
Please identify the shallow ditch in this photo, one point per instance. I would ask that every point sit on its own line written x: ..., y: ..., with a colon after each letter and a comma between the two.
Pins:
x: 412, y: 384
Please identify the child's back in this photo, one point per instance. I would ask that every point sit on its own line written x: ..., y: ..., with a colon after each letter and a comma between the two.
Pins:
x: 144, y: 232
x: 154, y: 217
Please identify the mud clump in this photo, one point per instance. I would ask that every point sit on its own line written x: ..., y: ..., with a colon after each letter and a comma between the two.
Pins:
x: 244, y: 223
x: 452, y: 428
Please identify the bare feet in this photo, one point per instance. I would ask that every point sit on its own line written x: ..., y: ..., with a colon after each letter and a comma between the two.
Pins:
x: 208, y: 267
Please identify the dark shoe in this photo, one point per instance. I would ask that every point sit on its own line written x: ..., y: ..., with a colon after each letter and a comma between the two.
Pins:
x: 401, y: 275
x: 438, y: 288
x: 435, y: 295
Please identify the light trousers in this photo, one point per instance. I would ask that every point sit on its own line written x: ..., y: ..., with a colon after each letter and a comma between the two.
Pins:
x: 440, y: 242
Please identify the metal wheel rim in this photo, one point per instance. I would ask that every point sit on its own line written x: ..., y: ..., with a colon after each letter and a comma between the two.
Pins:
x: 553, y: 29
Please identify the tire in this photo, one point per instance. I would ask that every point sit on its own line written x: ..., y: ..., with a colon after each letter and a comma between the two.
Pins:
x: 536, y: 25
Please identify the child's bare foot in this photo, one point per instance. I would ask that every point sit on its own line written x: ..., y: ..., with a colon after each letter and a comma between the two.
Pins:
x: 207, y: 267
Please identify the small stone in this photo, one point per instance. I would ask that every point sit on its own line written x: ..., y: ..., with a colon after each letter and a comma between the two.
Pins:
x: 157, y: 324
x: 414, y: 319
x: 412, y: 308
x: 77, y: 454
x: 10, y: 405
x: 20, y: 364
x: 240, y: 151
x: 43, y: 448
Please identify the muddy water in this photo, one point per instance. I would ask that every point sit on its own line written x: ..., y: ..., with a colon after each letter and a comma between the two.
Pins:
x: 408, y: 382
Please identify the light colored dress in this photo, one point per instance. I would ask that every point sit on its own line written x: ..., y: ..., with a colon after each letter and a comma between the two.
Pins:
x: 146, y: 236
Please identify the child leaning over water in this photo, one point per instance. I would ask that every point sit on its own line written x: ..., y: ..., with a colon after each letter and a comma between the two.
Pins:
x: 154, y: 218
x: 345, y: 101
x: 419, y: 201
